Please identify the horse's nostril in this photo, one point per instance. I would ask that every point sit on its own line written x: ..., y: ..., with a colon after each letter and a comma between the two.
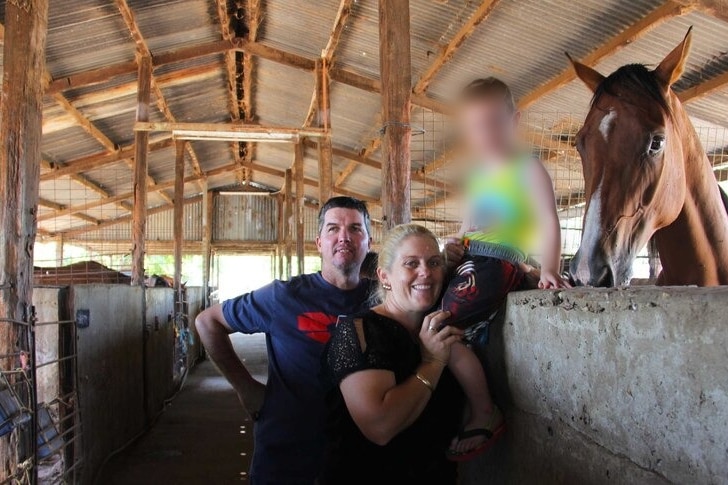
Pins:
x: 605, y: 278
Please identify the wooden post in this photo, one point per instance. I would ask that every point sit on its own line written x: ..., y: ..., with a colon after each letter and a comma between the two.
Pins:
x: 325, y: 148
x: 141, y: 148
x: 178, y: 216
x: 300, y: 204
x: 396, y: 75
x: 207, y: 206
x: 288, y: 225
x: 59, y: 250
x: 26, y: 26
x: 281, y: 234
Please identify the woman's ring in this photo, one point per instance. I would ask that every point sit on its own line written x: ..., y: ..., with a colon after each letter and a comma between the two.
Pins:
x: 431, y: 328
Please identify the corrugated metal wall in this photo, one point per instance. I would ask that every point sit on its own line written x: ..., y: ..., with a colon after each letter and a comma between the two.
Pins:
x: 245, y: 217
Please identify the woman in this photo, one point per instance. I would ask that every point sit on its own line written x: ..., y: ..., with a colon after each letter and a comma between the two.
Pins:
x: 395, y: 406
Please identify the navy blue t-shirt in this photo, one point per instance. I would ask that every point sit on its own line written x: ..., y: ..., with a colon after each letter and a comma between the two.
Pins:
x: 296, y: 317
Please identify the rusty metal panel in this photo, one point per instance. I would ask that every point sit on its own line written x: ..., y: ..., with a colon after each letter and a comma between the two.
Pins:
x: 245, y: 217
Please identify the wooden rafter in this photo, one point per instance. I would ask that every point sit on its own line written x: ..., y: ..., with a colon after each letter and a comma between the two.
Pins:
x: 98, y: 160
x: 715, y: 8
x: 256, y: 49
x: 231, y: 66
x: 104, y: 74
x: 328, y: 54
x: 703, y: 89
x: 448, y: 50
x: 144, y: 51
x: 84, y: 122
x: 252, y: 22
x: 661, y: 14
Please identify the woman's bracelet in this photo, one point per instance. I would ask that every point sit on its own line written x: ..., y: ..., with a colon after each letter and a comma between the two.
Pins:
x: 425, y: 381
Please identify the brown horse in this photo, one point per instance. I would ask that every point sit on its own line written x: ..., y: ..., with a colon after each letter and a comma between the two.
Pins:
x: 647, y: 174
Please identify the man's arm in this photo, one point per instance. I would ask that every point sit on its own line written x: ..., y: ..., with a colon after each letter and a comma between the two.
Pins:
x: 215, y: 336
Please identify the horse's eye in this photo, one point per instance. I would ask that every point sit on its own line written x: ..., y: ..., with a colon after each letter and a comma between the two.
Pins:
x: 657, y: 144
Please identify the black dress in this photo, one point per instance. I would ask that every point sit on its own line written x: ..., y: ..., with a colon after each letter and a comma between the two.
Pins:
x: 417, y: 454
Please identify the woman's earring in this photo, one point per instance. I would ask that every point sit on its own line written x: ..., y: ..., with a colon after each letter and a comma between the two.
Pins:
x: 386, y: 286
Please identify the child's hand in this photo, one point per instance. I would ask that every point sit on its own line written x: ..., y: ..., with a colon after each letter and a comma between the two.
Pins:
x: 454, y: 251
x: 552, y: 280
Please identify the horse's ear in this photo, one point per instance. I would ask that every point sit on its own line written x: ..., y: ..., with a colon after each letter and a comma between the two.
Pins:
x: 673, y: 66
x: 589, y: 76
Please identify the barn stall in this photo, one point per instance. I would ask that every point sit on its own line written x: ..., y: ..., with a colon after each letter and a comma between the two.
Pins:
x: 163, y: 136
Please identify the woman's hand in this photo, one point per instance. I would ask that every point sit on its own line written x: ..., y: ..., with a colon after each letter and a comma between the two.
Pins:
x: 436, y: 339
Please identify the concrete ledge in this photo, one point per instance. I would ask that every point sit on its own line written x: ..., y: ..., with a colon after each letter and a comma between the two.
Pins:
x: 611, y: 386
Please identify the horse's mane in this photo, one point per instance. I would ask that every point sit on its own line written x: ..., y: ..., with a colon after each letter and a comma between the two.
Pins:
x: 634, y: 78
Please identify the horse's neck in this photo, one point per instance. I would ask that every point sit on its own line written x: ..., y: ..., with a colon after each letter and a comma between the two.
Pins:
x: 694, y: 248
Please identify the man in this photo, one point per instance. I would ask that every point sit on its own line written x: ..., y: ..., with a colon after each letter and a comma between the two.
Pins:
x: 296, y: 317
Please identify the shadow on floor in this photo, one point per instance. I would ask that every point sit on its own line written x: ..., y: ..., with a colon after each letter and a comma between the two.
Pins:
x: 202, y: 437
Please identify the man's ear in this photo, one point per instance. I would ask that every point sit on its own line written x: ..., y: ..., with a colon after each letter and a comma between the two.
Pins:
x: 672, y: 67
x: 591, y: 77
x: 318, y: 243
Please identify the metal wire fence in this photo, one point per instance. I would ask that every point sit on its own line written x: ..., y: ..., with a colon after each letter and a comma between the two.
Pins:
x: 40, y: 423
x: 549, y: 137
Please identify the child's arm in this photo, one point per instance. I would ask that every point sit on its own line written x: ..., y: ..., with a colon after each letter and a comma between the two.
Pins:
x: 454, y: 248
x: 550, y: 229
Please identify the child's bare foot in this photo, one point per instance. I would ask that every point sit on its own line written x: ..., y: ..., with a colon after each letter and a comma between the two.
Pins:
x: 479, y: 433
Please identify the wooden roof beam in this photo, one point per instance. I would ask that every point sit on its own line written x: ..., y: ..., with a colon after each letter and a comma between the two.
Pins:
x: 98, y: 160
x: 143, y: 50
x: 231, y: 131
x: 448, y: 51
x: 661, y: 14
x: 231, y: 66
x: 85, y: 123
x: 329, y: 52
x: 715, y: 8
x: 703, y: 89
x: 104, y: 74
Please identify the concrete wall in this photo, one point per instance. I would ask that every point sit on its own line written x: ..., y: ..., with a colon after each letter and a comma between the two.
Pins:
x: 46, y: 302
x: 610, y: 386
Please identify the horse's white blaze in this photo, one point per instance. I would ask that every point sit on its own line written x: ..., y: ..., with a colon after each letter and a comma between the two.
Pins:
x: 592, y: 229
x: 605, y: 125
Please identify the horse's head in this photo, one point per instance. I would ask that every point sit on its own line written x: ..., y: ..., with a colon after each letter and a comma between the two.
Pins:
x: 633, y: 166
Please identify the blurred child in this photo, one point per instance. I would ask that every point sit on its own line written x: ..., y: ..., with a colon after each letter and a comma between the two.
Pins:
x: 509, y: 207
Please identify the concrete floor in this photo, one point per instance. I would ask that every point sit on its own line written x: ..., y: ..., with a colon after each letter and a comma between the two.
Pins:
x: 202, y: 437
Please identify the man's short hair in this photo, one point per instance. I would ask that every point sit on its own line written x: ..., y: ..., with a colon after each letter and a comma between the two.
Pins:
x: 345, y: 203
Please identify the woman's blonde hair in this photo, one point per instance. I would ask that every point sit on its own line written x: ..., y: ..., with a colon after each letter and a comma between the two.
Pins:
x: 391, y: 245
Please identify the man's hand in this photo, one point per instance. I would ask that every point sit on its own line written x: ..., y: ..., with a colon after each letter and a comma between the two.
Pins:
x: 552, y: 280
x: 251, y: 397
x: 454, y: 251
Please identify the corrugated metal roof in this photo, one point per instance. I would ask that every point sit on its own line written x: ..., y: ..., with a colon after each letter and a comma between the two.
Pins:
x: 298, y: 26
x: 521, y: 41
x: 85, y: 34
